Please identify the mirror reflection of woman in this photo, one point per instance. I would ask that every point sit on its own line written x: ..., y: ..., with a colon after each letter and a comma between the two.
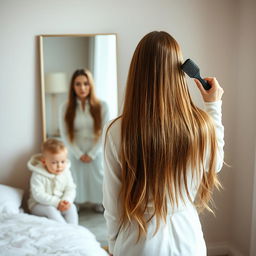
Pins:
x: 81, y: 121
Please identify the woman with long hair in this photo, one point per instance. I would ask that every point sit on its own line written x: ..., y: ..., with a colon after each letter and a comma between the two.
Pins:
x: 81, y: 121
x: 161, y: 156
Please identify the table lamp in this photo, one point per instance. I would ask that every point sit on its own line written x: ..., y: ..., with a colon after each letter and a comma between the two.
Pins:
x: 55, y: 84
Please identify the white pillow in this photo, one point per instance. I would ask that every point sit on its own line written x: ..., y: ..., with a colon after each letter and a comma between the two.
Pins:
x: 10, y: 199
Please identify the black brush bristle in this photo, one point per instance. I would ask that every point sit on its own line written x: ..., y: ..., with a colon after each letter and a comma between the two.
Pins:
x: 190, y: 68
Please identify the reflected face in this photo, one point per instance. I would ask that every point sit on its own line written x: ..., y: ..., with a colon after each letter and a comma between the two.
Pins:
x: 81, y: 87
x: 55, y: 163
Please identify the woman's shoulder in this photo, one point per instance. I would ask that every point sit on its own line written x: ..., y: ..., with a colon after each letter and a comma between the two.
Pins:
x: 114, y: 125
x: 113, y: 129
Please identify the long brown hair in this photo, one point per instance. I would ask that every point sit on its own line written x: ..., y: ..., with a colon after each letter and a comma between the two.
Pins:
x: 95, y: 106
x: 163, y: 135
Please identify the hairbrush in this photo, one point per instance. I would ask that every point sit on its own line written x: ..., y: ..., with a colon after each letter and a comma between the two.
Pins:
x: 193, y: 71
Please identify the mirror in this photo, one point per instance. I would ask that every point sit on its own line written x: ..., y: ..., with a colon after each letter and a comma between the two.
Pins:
x: 60, y: 56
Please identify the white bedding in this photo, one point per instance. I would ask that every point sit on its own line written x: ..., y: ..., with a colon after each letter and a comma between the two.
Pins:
x: 23, y: 234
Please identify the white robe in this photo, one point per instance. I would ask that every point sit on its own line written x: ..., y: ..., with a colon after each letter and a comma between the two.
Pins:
x: 181, y: 235
x: 87, y: 176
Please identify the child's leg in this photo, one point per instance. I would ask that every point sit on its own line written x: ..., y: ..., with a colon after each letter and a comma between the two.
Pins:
x: 71, y: 215
x: 47, y: 211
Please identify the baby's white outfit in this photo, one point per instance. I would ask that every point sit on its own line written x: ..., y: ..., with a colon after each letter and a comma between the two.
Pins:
x: 182, y: 234
x: 48, y: 189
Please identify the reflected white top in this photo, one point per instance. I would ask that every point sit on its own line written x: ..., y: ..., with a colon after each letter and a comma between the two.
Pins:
x: 83, y: 130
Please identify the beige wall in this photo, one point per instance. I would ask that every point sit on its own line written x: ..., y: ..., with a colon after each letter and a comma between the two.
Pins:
x: 208, y: 32
x: 245, y: 129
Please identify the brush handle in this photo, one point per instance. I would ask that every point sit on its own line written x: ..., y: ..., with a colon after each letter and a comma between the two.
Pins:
x: 204, y: 83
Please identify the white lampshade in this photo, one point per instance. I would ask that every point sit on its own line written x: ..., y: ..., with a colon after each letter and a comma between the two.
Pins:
x: 56, y: 83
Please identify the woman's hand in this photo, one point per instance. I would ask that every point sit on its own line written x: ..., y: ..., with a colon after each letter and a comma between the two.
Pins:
x: 85, y: 158
x: 213, y: 94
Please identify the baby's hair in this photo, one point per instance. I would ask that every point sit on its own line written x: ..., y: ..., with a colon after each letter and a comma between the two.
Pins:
x: 53, y: 146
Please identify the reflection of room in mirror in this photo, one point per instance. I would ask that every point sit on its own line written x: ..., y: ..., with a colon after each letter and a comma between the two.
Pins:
x: 64, y: 55
x: 56, y: 84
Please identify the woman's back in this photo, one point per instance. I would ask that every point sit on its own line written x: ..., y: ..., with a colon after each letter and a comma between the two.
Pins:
x: 159, y: 154
x: 181, y: 234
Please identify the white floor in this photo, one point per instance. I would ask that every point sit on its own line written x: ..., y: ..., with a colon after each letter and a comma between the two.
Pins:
x: 95, y: 222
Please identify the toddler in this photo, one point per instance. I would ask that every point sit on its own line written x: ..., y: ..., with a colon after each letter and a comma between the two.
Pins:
x: 52, y: 190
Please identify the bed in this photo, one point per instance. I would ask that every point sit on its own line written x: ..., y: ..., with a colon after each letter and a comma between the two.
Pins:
x: 24, y: 234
